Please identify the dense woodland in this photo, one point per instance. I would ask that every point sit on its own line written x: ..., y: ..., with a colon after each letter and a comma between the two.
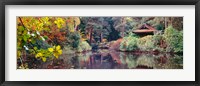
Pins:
x: 46, y: 39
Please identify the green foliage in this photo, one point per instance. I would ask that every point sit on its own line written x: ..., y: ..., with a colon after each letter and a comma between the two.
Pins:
x: 174, y: 39
x: 83, y: 46
x: 146, y: 43
x: 177, y: 59
x: 159, y: 27
x: 45, y: 37
x: 74, y: 39
x: 68, y: 50
x: 99, y: 25
x: 179, y: 47
x: 41, y: 44
x: 157, y: 38
x: 157, y: 22
x: 129, y: 43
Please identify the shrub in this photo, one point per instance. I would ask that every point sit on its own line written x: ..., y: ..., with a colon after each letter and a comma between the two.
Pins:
x: 177, y: 59
x: 174, y: 39
x: 83, y: 46
x: 158, y: 41
x: 74, y: 39
x: 157, y: 38
x: 68, y: 50
x: 159, y: 27
x: 146, y: 43
x: 129, y: 43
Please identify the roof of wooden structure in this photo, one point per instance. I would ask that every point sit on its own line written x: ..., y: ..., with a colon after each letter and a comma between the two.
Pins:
x: 145, y: 29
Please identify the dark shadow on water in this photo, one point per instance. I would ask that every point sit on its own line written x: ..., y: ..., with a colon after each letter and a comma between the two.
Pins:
x: 106, y: 59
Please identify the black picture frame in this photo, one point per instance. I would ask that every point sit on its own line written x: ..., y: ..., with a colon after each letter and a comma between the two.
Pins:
x: 99, y: 2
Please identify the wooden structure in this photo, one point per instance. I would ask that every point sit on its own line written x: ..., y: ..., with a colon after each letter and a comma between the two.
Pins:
x: 145, y: 30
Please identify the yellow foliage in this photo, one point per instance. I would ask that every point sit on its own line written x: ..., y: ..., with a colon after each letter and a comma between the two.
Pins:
x: 58, y: 48
x: 39, y: 55
x: 57, y: 52
x: 59, y: 22
x: 44, y: 59
x: 50, y: 49
x: 77, y: 21
x: 83, y: 37
x: 18, y: 54
x: 71, y: 30
x: 39, y: 25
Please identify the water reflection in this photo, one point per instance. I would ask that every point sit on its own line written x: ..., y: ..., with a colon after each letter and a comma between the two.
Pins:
x: 105, y: 59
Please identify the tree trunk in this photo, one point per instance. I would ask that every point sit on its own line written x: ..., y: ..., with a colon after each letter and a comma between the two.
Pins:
x: 123, y: 29
x: 165, y: 22
x: 91, y: 30
x: 172, y: 21
x: 101, y: 37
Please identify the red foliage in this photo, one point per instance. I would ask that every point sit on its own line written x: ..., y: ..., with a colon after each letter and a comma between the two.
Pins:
x: 55, y: 35
x: 116, y: 44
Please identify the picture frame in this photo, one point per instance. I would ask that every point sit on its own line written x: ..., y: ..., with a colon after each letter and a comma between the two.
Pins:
x: 99, y: 2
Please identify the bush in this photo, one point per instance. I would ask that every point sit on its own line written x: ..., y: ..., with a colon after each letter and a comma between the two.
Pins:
x: 177, y: 59
x: 174, y: 40
x: 158, y: 41
x: 146, y: 43
x: 68, y: 50
x: 74, y: 39
x: 129, y: 43
x: 159, y: 27
x: 170, y: 41
x: 83, y: 46
x: 157, y: 38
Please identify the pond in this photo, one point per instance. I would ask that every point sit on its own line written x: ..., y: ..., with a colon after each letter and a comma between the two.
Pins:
x: 109, y: 59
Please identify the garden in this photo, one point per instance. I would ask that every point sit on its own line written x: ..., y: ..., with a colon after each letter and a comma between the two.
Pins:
x: 72, y: 42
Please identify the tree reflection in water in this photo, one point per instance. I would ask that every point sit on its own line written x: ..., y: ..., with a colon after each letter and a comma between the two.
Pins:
x: 116, y: 60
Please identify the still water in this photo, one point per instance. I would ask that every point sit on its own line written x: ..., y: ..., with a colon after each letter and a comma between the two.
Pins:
x: 106, y: 59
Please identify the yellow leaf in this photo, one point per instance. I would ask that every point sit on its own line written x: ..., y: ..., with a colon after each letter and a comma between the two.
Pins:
x: 56, y: 55
x: 50, y: 49
x: 60, y: 52
x: 44, y: 59
x: 18, y: 54
x: 38, y: 55
x: 55, y: 22
x: 58, y: 48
